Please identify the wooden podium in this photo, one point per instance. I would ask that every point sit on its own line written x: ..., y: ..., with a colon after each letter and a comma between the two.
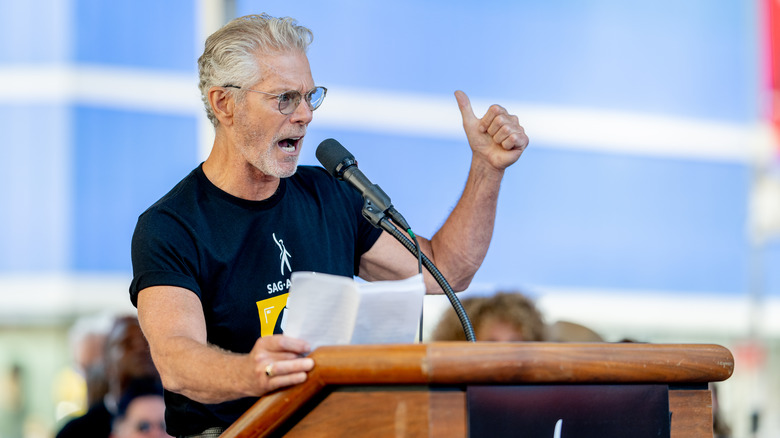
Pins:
x: 419, y: 390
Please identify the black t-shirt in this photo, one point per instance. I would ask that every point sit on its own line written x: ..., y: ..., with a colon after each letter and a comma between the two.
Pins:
x: 237, y: 255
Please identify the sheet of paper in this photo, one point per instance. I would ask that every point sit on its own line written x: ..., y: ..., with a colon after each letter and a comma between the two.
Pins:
x: 321, y: 308
x: 389, y: 311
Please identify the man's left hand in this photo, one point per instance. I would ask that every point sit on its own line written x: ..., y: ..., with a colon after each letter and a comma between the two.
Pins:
x: 497, y: 137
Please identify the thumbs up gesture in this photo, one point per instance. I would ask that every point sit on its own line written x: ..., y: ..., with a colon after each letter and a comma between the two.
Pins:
x: 497, y: 137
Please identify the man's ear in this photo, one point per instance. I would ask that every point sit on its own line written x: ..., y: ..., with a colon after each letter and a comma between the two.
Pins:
x: 223, y: 104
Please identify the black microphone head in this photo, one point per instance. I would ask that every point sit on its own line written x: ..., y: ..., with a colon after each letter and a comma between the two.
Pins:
x: 334, y: 157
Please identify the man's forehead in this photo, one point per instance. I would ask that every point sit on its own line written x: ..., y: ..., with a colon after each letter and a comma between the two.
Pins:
x: 285, y: 66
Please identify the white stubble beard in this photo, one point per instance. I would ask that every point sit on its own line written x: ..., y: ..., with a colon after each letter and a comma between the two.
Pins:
x: 250, y: 138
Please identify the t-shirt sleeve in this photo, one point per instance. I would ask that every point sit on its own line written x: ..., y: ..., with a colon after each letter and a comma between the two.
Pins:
x: 163, y: 254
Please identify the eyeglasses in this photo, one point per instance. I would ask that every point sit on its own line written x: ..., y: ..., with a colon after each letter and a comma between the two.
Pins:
x: 146, y: 426
x: 289, y: 100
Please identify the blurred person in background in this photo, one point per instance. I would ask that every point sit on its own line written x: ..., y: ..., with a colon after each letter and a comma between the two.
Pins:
x: 88, y: 343
x: 140, y: 411
x: 126, y: 357
x: 502, y: 317
x: 13, y: 408
x: 97, y: 384
x: 87, y: 339
x: 83, y: 383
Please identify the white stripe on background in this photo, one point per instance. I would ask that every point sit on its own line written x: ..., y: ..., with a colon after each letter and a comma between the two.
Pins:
x: 561, y: 127
x: 643, y: 315
x: 101, y: 86
x: 403, y: 114
x: 649, y: 316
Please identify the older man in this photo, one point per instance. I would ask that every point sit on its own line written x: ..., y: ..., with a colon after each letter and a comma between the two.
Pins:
x: 212, y: 259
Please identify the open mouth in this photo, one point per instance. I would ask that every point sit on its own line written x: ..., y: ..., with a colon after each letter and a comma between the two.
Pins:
x: 290, y: 145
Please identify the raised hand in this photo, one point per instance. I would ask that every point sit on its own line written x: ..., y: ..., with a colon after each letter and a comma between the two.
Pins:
x: 497, y: 137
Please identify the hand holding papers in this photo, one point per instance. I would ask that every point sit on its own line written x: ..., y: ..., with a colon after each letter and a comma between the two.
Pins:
x: 325, y: 309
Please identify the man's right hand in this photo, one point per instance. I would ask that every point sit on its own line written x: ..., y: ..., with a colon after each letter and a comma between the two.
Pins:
x: 278, y: 362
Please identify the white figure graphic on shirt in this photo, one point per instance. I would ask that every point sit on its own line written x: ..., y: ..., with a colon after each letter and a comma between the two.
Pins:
x: 283, y: 255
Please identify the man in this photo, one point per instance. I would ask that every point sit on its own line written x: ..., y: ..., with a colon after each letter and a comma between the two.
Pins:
x: 212, y: 259
x: 141, y: 411
x: 126, y: 357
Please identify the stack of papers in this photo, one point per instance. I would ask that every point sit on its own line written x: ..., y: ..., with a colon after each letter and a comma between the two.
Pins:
x: 325, y: 309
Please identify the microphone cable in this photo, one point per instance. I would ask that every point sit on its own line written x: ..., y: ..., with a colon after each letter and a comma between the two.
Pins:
x: 419, y: 270
x: 419, y: 253
x: 468, y: 329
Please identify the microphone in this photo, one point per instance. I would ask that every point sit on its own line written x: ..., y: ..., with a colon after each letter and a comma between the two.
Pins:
x: 340, y: 163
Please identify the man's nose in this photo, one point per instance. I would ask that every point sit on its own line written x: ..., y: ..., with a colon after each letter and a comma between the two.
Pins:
x: 302, y: 114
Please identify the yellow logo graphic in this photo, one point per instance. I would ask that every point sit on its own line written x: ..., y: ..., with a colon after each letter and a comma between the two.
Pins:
x: 269, y: 310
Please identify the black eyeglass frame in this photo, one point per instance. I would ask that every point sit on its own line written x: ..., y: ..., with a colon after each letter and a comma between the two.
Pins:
x: 291, y: 96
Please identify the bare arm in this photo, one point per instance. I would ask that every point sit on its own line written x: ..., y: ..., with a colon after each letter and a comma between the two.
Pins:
x: 497, y: 140
x: 172, y: 321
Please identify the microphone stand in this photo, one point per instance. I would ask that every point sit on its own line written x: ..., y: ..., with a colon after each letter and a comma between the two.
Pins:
x: 379, y: 220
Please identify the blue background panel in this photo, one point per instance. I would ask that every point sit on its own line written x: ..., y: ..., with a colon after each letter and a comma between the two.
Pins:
x: 583, y: 219
x: 34, y: 35
x: 124, y: 162
x: 35, y: 195
x: 138, y: 34
x: 576, y: 219
x: 676, y: 58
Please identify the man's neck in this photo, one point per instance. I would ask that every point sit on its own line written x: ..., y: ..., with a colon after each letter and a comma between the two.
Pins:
x: 238, y: 178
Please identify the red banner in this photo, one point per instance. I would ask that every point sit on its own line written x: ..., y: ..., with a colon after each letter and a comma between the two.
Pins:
x: 772, y: 62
